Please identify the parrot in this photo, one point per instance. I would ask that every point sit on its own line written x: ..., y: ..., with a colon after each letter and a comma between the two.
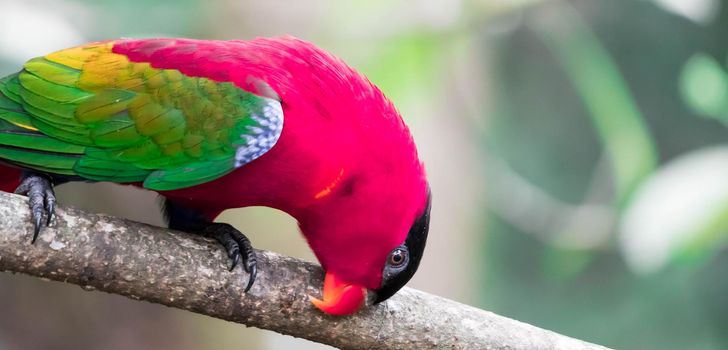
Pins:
x: 217, y: 124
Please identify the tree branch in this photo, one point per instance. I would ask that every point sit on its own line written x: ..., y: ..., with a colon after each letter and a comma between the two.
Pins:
x: 188, y: 272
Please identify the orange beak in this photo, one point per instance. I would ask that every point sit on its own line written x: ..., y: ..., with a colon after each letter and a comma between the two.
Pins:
x: 340, y: 298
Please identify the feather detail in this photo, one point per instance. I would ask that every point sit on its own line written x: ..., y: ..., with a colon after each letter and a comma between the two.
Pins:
x: 92, y: 112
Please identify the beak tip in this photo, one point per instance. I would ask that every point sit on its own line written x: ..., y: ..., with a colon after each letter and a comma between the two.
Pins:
x: 340, y: 299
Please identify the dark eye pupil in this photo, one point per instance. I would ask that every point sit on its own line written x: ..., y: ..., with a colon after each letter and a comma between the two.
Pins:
x: 397, y: 257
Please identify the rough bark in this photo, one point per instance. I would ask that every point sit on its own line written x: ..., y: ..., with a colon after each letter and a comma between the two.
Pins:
x: 184, y: 271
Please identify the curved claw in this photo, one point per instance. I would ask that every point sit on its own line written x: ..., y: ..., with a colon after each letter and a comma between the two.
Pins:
x: 50, y: 205
x: 41, y: 199
x: 237, y: 246
x: 253, y: 274
x: 236, y: 260
x: 36, y: 227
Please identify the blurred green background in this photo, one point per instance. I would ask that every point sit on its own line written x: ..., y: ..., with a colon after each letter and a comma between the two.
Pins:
x: 576, y: 151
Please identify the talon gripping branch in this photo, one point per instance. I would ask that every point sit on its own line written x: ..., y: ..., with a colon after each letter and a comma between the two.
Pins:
x: 212, y: 125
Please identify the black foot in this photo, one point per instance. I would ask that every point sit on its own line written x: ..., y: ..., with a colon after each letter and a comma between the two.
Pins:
x: 234, y: 241
x: 41, y: 198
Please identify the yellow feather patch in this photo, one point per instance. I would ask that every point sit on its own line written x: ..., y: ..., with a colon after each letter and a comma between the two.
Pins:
x: 27, y: 127
x: 78, y: 56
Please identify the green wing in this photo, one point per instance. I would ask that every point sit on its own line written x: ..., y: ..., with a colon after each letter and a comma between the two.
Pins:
x: 90, y: 113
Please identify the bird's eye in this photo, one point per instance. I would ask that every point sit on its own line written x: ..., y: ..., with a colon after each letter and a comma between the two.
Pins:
x: 397, y: 257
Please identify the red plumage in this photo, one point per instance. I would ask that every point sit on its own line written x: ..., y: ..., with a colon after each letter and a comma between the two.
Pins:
x: 9, y: 178
x: 339, y: 129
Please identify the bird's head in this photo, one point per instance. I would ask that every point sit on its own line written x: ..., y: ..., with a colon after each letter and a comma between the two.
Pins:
x: 368, y: 249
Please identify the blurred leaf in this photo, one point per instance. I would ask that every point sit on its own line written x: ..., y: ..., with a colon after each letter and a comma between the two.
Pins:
x: 708, y: 241
x: 698, y: 11
x: 704, y: 86
x: 680, y: 215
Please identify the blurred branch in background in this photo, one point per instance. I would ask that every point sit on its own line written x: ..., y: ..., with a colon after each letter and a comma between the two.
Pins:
x: 117, y: 256
x: 584, y: 226
x: 593, y: 130
x: 630, y: 152
x: 598, y: 81
x: 629, y: 156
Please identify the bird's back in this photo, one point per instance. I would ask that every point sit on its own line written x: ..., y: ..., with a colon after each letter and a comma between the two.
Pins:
x: 93, y: 113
